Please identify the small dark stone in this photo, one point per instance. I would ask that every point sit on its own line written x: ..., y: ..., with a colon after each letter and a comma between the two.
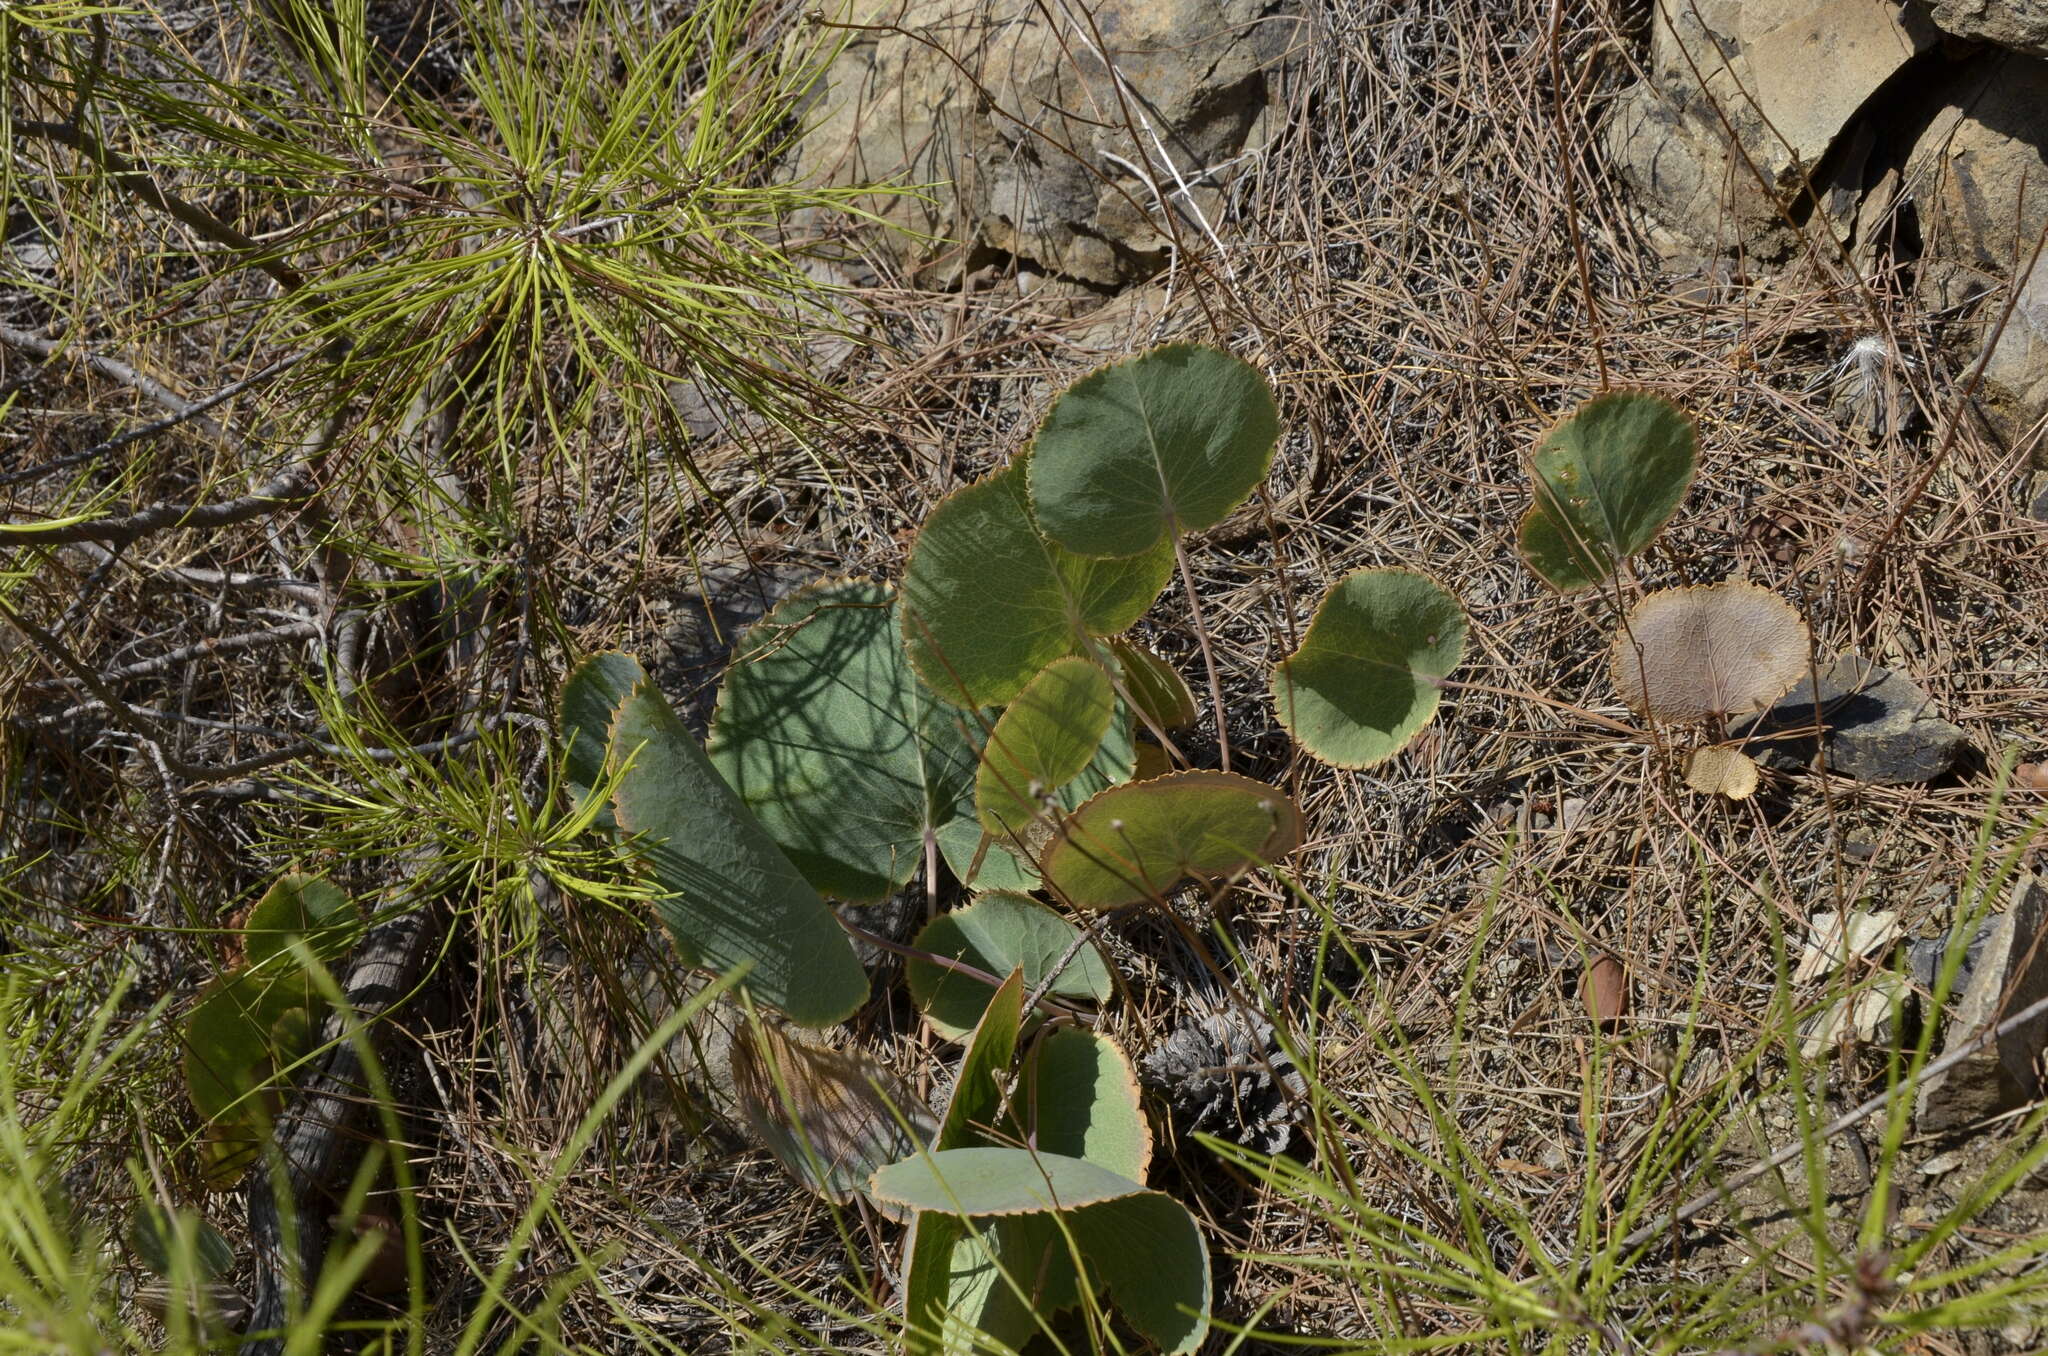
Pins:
x: 2011, y: 975
x: 1924, y: 958
x: 2038, y: 510
x: 1878, y: 727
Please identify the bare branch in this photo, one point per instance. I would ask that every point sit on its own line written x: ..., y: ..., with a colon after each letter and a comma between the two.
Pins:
x: 131, y: 178
x: 211, y: 647
x: 283, y: 491
x: 150, y: 430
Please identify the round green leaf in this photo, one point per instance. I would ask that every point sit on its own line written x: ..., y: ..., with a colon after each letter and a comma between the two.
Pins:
x: 1043, y: 741
x: 996, y: 1181
x: 1081, y: 1100
x: 227, y: 1039
x: 1607, y: 479
x: 954, y: 1298
x: 1155, y: 686
x: 987, y: 1288
x: 311, y: 909
x: 988, y: 601
x: 997, y: 933
x: 828, y: 737
x: 1136, y: 841
x: 1167, y: 442
x: 730, y: 897
x: 979, y: 860
x: 1147, y: 1252
x: 1362, y: 683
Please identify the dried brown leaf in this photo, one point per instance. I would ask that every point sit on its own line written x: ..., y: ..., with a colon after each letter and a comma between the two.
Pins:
x: 1727, y: 649
x: 1719, y: 771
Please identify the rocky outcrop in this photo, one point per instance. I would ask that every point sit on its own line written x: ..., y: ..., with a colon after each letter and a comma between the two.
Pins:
x: 1867, y: 123
x: 2021, y: 25
x: 1060, y: 135
x: 1743, y: 101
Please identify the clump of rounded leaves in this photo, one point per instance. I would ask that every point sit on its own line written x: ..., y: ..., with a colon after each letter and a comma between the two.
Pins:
x: 988, y: 600
x: 1000, y: 932
x: 1364, y: 681
x: 1004, y: 1239
x: 729, y: 896
x: 1721, y: 650
x: 1137, y: 841
x: 826, y: 734
x: 1167, y: 442
x: 1607, y: 479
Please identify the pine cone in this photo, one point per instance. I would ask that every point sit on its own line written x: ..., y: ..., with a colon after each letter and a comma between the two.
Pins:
x: 1224, y: 1073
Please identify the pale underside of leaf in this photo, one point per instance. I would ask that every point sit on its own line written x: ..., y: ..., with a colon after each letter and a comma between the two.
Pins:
x: 831, y: 1117
x: 1044, y: 739
x: 1725, y: 649
x: 1720, y: 771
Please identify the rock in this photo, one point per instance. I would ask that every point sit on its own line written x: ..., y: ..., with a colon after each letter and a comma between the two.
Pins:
x: 1925, y: 956
x: 2019, y: 24
x: 1967, y: 167
x: 1834, y: 940
x: 1786, y: 77
x: 1877, y: 727
x: 2038, y: 509
x: 1029, y: 143
x: 2016, y: 374
x: 2011, y: 973
x: 1978, y: 174
x: 1758, y: 113
x: 1866, y: 1011
x: 1815, y: 64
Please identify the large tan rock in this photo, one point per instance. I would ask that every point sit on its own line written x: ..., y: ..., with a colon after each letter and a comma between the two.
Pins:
x: 2019, y: 24
x: 1744, y: 99
x: 2017, y: 370
x: 1815, y: 65
x: 1979, y: 174
x: 1967, y: 170
x: 1044, y: 131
